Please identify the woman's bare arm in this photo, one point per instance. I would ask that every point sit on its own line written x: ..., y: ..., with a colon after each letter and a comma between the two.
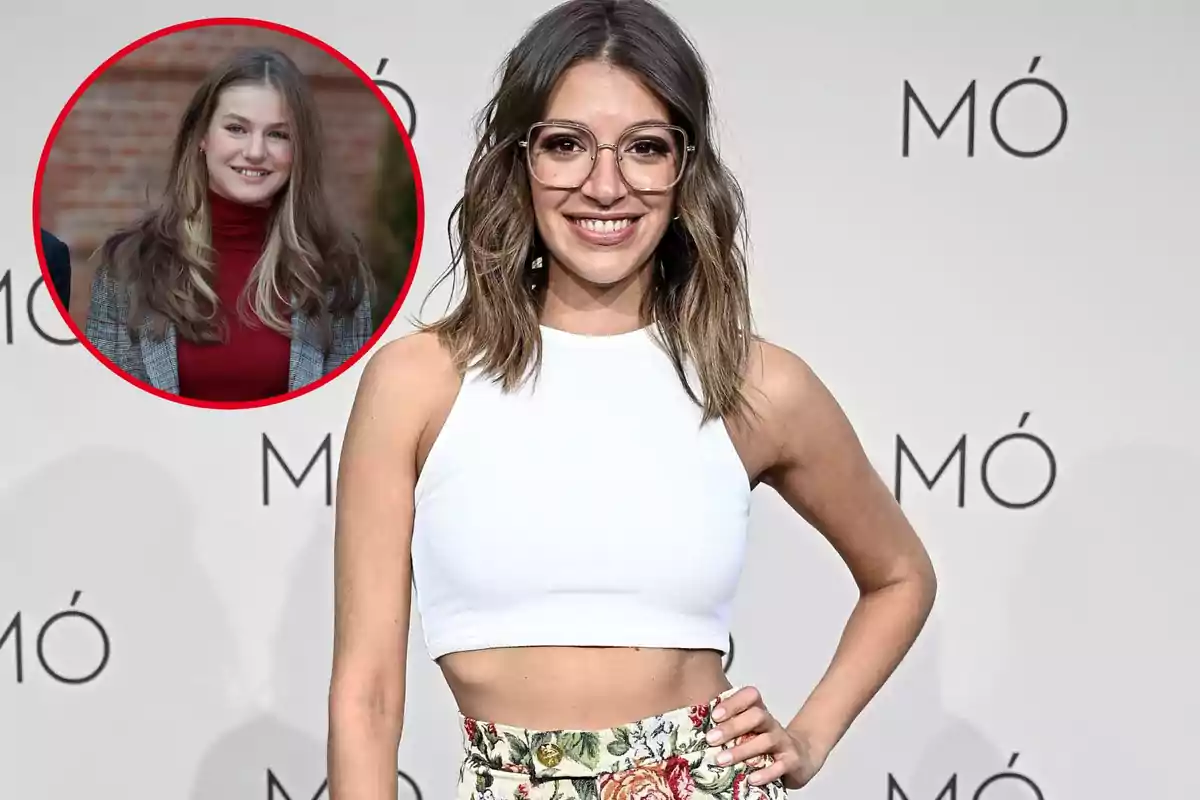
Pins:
x: 373, y: 568
x: 821, y: 471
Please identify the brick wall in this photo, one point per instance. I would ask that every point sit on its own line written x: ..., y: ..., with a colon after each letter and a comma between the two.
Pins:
x: 109, y: 160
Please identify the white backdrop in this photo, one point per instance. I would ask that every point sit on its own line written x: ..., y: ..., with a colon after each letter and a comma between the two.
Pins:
x: 946, y: 298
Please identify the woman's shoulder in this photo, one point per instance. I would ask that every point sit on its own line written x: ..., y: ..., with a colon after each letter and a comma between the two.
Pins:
x: 417, y: 363
x: 123, y: 254
x: 775, y: 367
x: 406, y: 385
x: 778, y: 380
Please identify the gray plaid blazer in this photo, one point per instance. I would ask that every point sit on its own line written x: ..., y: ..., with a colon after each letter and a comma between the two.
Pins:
x: 156, y: 362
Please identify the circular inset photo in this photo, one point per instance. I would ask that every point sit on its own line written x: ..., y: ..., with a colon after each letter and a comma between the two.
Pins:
x: 229, y: 212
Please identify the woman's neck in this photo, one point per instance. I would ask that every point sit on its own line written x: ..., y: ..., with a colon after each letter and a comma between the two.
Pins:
x: 236, y: 225
x: 577, y: 306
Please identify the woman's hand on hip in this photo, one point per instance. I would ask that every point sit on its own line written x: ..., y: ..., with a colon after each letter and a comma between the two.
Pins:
x: 756, y: 735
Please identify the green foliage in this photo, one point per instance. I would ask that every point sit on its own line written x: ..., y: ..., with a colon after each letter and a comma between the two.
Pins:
x: 392, y: 231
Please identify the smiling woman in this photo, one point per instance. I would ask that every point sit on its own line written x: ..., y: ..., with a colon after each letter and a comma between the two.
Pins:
x: 558, y: 472
x: 243, y: 225
x: 248, y: 147
x: 241, y: 208
x: 577, y: 205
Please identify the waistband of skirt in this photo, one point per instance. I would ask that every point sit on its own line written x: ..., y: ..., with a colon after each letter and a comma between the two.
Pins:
x: 588, y: 753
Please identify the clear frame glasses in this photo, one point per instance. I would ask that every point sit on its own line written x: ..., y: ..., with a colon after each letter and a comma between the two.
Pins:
x: 650, y: 158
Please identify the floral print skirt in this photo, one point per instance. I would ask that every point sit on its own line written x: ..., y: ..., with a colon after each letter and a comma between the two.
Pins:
x: 664, y: 757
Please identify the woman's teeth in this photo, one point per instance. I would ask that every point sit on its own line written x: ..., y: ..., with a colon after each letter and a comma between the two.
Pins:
x: 251, y: 173
x: 604, y: 225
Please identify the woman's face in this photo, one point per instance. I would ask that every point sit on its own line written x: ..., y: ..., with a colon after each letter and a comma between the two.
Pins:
x: 604, y: 231
x: 248, y: 145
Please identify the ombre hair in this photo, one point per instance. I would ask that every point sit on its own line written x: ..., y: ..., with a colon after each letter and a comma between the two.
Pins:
x: 310, y: 262
x: 699, y: 300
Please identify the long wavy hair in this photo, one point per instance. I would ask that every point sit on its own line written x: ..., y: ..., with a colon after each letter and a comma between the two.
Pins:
x: 698, y: 302
x: 310, y: 262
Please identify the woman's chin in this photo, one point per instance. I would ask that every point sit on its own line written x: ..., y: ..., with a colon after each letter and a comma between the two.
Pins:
x: 601, y: 271
x: 239, y: 194
x: 605, y: 278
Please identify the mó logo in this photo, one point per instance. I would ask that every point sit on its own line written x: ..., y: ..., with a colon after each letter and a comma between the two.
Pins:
x: 1034, y: 446
x: 269, y: 451
x: 77, y: 624
x: 407, y: 788
x: 968, y: 97
x: 950, y: 790
x: 6, y: 292
x: 409, y: 121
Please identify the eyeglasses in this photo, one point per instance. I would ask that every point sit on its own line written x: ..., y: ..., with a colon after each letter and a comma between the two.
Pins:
x: 650, y: 158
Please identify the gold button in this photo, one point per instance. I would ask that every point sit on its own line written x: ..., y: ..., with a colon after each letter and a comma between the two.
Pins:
x: 549, y: 755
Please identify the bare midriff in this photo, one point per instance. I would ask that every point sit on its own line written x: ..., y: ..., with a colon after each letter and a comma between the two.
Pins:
x: 580, y: 688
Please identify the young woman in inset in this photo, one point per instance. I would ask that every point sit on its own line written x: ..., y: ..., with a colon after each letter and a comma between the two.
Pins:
x: 240, y: 285
x: 562, y: 467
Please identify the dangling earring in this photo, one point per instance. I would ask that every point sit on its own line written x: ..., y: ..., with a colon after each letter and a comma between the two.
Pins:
x: 535, y: 269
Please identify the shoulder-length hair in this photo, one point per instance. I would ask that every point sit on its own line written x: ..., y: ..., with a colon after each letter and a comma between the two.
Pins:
x: 699, y: 300
x: 310, y: 262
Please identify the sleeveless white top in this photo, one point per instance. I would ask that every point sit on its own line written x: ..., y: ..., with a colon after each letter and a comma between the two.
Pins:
x: 588, y: 508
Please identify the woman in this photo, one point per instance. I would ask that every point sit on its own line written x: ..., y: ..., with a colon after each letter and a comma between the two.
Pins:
x: 240, y: 285
x: 565, y: 462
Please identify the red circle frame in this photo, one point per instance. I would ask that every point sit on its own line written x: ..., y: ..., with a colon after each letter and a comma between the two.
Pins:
x: 278, y: 28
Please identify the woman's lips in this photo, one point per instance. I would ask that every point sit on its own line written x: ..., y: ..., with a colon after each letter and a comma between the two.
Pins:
x: 605, y: 232
x: 252, y: 175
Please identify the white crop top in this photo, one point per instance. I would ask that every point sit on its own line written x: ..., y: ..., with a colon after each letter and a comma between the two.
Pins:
x: 587, y: 509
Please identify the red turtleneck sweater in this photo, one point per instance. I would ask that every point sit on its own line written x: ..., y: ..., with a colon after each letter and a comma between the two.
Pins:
x: 252, y: 362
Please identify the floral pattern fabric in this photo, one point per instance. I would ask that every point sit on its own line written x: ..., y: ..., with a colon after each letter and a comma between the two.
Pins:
x: 664, y: 757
